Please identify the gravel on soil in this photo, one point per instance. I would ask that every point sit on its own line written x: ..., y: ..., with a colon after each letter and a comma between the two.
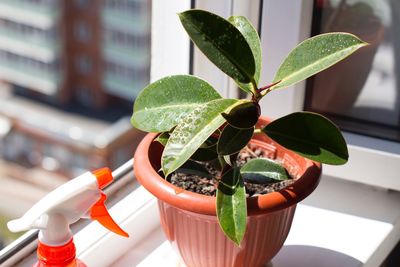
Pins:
x: 206, y: 186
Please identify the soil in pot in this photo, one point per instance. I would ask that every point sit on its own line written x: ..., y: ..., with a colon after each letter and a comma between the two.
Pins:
x: 206, y: 185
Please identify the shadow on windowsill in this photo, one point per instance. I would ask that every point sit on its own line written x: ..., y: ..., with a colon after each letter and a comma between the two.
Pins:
x: 308, y: 256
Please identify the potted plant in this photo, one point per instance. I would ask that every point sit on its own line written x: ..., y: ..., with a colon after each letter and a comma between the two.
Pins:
x: 224, y: 144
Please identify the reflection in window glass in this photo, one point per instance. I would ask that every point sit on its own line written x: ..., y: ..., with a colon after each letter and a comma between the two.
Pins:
x: 70, y: 71
x: 361, y: 93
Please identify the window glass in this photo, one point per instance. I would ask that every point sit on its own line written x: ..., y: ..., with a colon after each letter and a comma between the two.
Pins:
x: 83, y: 64
x: 361, y: 93
x: 81, y: 31
x: 81, y: 3
x: 69, y: 80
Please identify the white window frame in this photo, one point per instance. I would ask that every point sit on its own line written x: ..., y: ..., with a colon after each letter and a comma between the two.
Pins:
x: 372, y: 161
x: 169, y: 42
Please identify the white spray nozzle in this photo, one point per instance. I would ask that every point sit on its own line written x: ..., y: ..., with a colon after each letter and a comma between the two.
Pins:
x: 65, y: 205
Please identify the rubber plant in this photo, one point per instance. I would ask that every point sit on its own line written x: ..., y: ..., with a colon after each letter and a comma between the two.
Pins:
x: 197, y: 124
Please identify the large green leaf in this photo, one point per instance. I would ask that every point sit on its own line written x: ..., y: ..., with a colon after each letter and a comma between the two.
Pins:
x: 263, y: 171
x: 310, y: 135
x: 232, y: 140
x: 252, y: 38
x: 221, y: 42
x: 314, y: 55
x: 192, y: 131
x: 161, y: 104
x: 231, y: 205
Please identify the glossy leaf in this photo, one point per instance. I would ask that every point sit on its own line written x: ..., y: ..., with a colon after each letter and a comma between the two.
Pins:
x: 263, y: 171
x: 310, y: 135
x: 160, y: 105
x: 232, y: 140
x: 205, y: 154
x: 162, y: 138
x: 252, y: 38
x: 244, y: 115
x: 192, y: 131
x: 314, y: 55
x: 231, y: 205
x: 221, y: 42
x: 194, y: 168
x: 207, y: 151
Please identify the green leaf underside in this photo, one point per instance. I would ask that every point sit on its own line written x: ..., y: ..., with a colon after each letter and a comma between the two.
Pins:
x: 193, y: 130
x: 160, y: 105
x: 231, y: 205
x: 194, y: 168
x: 252, y: 38
x: 232, y: 140
x: 221, y: 42
x: 314, y: 55
x: 263, y: 171
x: 162, y: 138
x: 311, y: 135
x: 243, y: 116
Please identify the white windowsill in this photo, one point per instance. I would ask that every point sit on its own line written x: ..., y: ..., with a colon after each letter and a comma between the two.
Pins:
x: 137, y: 214
x: 341, y: 222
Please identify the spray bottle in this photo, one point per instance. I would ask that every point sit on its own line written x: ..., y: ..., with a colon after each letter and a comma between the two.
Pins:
x: 52, y: 215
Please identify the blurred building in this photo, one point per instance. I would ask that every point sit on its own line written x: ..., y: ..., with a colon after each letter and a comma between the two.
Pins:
x: 69, y: 70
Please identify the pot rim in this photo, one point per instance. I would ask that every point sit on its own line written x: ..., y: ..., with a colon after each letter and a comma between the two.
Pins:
x: 203, y: 204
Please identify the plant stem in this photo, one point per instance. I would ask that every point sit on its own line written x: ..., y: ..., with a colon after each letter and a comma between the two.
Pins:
x: 257, y: 131
x: 267, y: 88
x: 254, y: 84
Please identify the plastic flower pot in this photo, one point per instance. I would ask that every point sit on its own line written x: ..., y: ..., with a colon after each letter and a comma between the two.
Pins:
x: 189, y: 219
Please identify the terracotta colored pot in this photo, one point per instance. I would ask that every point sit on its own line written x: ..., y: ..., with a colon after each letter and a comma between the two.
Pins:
x: 189, y: 219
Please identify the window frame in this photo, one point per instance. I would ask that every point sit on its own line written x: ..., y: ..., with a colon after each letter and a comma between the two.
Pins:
x: 370, y: 157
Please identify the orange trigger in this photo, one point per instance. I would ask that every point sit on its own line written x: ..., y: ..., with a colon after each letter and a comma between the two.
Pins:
x: 100, y: 213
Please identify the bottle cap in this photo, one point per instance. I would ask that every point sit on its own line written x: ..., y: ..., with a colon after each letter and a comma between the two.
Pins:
x: 56, y: 255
